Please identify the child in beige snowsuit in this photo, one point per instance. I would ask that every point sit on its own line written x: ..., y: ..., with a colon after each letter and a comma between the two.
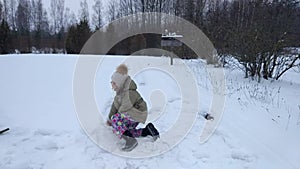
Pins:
x: 128, y: 110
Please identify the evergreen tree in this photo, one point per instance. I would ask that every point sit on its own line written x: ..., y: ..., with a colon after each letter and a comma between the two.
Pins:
x: 23, y: 26
x: 5, y: 37
x: 71, y: 41
x: 77, y: 36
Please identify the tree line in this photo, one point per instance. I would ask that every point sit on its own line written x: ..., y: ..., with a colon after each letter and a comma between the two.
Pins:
x: 262, y: 35
x: 259, y: 34
x: 26, y: 25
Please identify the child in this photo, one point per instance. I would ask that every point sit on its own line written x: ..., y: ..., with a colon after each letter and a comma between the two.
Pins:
x: 128, y: 110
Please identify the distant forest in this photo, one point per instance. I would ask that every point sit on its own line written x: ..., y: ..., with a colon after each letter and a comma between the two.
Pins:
x: 260, y: 34
x: 230, y: 24
x: 234, y: 26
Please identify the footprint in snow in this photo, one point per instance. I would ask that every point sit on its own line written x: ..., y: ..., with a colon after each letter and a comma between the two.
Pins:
x: 43, y: 133
x: 202, y: 157
x: 226, y: 139
x: 49, y: 145
x: 242, y: 156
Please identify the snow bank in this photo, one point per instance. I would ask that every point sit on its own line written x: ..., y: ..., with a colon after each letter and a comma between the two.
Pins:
x: 259, y: 128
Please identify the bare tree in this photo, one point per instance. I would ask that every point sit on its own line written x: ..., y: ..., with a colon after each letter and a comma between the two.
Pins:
x: 126, y: 7
x: 97, y: 16
x: 84, y: 11
x: 60, y: 10
x: 53, y: 16
x: 23, y: 26
x: 113, y: 7
x: 189, y: 11
x: 36, y: 14
x: 5, y: 10
x: 69, y: 19
x: 9, y: 12
x: 256, y: 33
x: 178, y: 7
x: 23, y: 17
x: 57, y: 15
x: 288, y: 60
x: 45, y: 27
x: 73, y: 18
x: 13, y: 8
x: 200, y: 12
x: 1, y: 12
x: 39, y: 21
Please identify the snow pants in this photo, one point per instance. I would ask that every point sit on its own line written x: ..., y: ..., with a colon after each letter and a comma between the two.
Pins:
x: 122, y: 122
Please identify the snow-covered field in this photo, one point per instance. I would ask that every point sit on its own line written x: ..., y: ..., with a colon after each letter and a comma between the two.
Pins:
x: 259, y: 129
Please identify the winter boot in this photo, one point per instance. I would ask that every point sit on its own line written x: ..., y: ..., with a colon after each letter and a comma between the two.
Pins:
x: 150, y: 130
x: 130, y: 144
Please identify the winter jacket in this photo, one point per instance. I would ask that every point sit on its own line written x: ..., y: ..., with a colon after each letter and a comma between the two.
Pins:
x: 130, y: 101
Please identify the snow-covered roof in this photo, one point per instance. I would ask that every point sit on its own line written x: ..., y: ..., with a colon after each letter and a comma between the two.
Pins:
x: 171, y: 35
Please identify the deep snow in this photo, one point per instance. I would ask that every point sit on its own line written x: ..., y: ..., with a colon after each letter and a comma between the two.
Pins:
x: 259, y: 127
